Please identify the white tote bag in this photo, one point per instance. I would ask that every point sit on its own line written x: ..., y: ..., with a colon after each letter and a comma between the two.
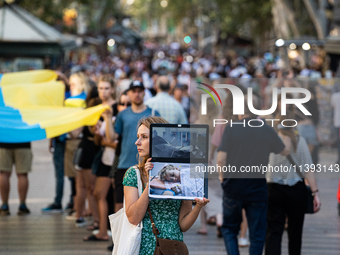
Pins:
x: 108, y: 156
x: 126, y: 237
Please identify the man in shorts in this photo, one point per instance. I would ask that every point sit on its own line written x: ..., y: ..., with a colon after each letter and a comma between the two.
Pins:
x: 20, y: 155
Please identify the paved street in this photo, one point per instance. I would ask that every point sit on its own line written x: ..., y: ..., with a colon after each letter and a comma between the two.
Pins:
x: 53, y: 234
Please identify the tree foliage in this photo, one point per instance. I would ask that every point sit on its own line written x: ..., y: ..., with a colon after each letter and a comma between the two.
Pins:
x: 97, y: 13
x: 293, y: 17
x: 233, y: 15
x: 229, y: 16
x: 290, y: 18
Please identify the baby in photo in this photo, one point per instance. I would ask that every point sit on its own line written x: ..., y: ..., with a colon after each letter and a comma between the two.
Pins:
x: 170, y: 173
x: 184, y: 185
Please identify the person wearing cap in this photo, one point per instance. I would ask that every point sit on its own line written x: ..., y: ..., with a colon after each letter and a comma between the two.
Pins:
x: 168, y: 107
x: 125, y: 127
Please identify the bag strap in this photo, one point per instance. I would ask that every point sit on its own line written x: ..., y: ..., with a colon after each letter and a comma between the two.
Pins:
x: 139, y: 181
x: 155, y: 230
x: 140, y: 189
x: 292, y: 162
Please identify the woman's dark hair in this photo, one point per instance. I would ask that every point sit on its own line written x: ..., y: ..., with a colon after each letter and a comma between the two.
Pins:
x: 93, y: 93
x: 123, y: 94
x: 94, y: 101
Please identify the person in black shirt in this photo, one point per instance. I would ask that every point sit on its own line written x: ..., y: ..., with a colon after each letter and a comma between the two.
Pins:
x: 102, y: 186
x: 246, y: 146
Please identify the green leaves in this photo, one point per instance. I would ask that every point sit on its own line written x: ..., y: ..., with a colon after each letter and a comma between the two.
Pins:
x: 97, y: 13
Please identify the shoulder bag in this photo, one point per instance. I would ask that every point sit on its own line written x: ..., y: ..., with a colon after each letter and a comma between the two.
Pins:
x: 126, y: 237
x: 108, y: 156
x: 310, y: 196
x: 77, y: 156
x: 166, y: 246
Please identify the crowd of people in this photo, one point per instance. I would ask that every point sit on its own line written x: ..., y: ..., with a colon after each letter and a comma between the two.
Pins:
x: 96, y: 158
x: 144, y: 88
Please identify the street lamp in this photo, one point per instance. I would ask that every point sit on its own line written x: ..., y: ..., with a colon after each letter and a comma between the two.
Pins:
x: 164, y: 3
x: 279, y: 42
x: 292, y: 46
x: 306, y: 46
x: 187, y: 39
x: 111, y: 42
x: 293, y: 54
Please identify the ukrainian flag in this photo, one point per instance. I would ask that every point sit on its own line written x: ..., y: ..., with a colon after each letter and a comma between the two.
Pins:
x: 32, y: 108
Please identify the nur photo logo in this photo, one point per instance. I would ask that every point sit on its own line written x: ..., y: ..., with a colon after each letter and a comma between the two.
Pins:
x: 206, y: 96
x: 239, y: 101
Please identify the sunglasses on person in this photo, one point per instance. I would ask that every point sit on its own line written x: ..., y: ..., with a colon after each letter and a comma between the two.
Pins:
x: 125, y: 104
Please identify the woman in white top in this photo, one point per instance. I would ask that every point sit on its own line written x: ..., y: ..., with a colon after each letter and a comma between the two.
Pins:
x: 287, y: 193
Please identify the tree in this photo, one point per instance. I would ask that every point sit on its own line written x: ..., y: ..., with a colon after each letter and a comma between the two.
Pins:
x: 311, y: 19
x: 320, y: 20
x: 97, y: 13
x: 234, y: 15
x: 225, y: 16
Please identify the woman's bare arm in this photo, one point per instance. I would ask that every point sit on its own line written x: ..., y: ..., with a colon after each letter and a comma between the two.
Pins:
x: 135, y: 207
x: 109, y: 132
x: 309, y: 176
x: 187, y: 215
x: 107, y: 143
x: 75, y: 133
x: 212, y: 153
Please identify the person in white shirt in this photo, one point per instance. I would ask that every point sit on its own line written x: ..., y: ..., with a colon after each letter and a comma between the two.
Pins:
x: 167, y: 106
x: 183, y: 77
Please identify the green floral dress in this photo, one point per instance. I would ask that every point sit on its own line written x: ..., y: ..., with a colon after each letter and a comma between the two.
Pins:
x: 165, y: 214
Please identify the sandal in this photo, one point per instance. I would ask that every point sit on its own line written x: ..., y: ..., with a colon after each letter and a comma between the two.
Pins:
x: 219, y: 232
x: 110, y: 248
x: 87, y: 214
x: 211, y: 221
x: 202, y: 232
x: 93, y: 226
x: 94, y: 238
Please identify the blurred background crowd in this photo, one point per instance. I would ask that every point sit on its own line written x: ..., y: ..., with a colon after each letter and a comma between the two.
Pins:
x: 204, y: 41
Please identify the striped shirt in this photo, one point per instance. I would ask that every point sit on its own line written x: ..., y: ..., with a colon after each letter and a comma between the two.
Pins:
x: 168, y: 108
x: 289, y: 177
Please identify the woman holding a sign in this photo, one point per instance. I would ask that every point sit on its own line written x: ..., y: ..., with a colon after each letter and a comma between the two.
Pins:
x: 171, y: 217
